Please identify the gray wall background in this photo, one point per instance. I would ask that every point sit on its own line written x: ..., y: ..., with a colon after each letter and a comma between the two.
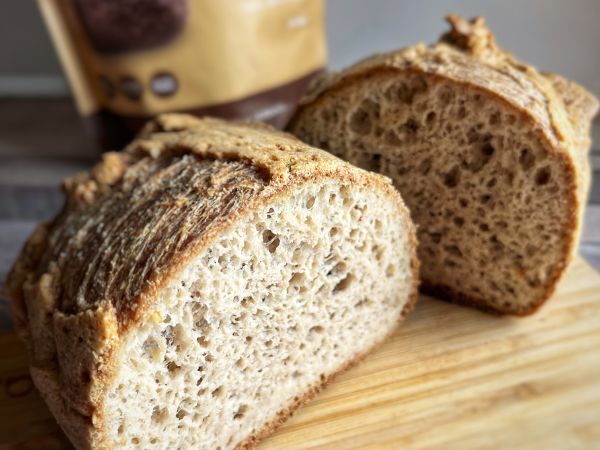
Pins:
x: 557, y: 35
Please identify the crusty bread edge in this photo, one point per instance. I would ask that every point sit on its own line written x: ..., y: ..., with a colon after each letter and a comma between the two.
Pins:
x: 575, y: 203
x: 91, y: 436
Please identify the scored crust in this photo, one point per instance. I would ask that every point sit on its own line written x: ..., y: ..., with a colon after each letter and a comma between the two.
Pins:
x: 558, y: 111
x: 73, y: 311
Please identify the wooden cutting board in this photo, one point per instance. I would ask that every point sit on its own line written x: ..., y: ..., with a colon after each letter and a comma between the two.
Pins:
x: 450, y: 377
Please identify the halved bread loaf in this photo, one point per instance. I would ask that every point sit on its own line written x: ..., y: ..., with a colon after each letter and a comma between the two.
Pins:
x: 489, y: 155
x: 200, y: 286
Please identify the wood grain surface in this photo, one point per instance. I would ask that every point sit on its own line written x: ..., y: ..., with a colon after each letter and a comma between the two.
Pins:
x: 450, y: 377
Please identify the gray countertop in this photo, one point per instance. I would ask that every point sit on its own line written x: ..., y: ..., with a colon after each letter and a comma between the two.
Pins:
x: 42, y: 141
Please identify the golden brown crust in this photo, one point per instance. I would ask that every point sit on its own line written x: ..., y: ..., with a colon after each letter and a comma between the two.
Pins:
x: 146, y: 211
x: 559, y: 113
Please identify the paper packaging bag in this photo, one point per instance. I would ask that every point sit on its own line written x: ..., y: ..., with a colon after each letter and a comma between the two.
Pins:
x: 128, y: 60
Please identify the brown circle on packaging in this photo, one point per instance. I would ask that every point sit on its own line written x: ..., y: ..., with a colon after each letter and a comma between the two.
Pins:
x: 117, y: 26
x: 131, y: 87
x: 163, y: 84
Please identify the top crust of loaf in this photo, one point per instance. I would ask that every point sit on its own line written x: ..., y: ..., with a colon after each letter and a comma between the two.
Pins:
x: 57, y: 268
x: 468, y: 55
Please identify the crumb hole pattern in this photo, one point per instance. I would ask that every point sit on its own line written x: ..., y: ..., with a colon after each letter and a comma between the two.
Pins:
x: 279, y: 300
x: 467, y: 167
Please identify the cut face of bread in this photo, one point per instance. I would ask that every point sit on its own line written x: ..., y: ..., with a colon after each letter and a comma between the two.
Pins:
x: 488, y: 157
x: 203, y: 284
x: 264, y: 315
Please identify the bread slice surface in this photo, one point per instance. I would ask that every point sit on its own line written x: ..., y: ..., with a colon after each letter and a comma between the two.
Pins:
x: 489, y: 154
x: 202, y: 284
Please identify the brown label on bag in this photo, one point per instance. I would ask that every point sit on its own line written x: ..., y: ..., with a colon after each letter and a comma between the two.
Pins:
x: 130, y: 60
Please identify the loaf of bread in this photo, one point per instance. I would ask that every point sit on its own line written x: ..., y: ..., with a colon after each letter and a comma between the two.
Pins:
x: 201, y: 285
x: 489, y: 154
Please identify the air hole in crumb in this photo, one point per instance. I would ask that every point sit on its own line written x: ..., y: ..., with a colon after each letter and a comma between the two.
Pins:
x: 526, y: 159
x: 334, y: 231
x: 435, y: 237
x: 247, y: 302
x: 400, y: 91
x: 181, y: 414
x: 310, y: 202
x: 454, y: 250
x: 297, y: 278
x: 344, y: 283
x: 459, y: 221
x: 296, y: 374
x: 497, y: 246
x: 172, y: 367
x: 484, y: 227
x: 363, y: 302
x: 248, y: 339
x: 271, y: 240
x: 530, y: 250
x: 425, y: 166
x: 203, y: 341
x: 411, y: 126
x: 487, y: 149
x: 218, y: 392
x: 463, y: 202
x: 390, y: 270
x: 452, y: 178
x: 430, y: 118
x: 485, y: 198
x: 316, y: 329
x: 391, y: 138
x: 240, y: 412
x: 542, y: 176
x: 378, y: 251
x: 495, y: 118
x: 135, y: 440
x: 269, y: 343
x: 446, y: 95
x: 338, y: 268
x: 360, y: 122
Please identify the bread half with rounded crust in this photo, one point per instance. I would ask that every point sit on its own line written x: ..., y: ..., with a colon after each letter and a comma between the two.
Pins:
x: 489, y: 154
x: 200, y: 286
